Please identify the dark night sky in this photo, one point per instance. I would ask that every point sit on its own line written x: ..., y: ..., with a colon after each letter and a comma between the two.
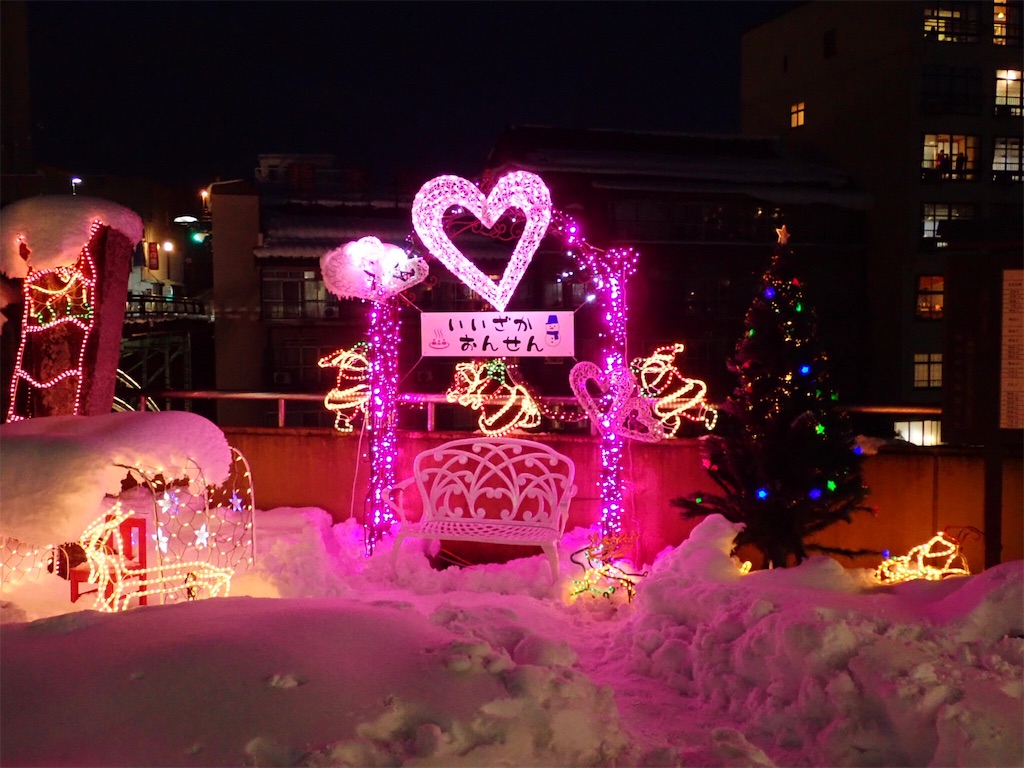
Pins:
x: 187, y: 92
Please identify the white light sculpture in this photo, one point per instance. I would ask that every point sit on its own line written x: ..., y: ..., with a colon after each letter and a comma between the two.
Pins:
x: 616, y: 408
x: 519, y: 189
x: 369, y: 269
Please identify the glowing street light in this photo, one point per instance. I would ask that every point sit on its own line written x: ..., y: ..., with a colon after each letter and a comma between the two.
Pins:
x: 75, y: 181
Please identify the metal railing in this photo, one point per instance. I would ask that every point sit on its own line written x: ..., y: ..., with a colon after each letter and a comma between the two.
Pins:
x: 145, y: 307
x: 431, y: 401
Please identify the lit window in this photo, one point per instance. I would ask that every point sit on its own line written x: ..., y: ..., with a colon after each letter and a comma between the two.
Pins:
x: 1006, y: 158
x: 796, y: 115
x: 934, y: 217
x: 948, y: 157
x: 926, y: 432
x: 951, y: 22
x: 928, y: 370
x: 930, y: 290
x: 1008, y: 92
x: 1006, y: 27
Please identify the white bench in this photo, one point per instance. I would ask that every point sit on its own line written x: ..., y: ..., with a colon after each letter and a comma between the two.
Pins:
x: 494, y: 490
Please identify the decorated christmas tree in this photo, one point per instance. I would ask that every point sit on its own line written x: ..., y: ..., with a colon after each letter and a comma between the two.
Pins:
x: 783, y: 455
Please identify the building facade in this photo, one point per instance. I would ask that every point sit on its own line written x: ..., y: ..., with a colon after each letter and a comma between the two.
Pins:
x: 920, y: 102
x: 701, y: 211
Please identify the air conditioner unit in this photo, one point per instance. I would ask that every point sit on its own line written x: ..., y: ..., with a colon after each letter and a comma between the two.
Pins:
x: 282, y: 378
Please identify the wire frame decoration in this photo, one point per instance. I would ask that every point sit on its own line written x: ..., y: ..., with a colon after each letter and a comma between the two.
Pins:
x: 351, y: 393
x: 520, y: 190
x: 675, y: 396
x: 369, y: 269
x: 938, y: 558
x: 170, y: 539
x: 486, y: 386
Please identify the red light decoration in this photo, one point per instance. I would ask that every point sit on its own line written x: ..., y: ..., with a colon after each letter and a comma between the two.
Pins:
x: 63, y: 296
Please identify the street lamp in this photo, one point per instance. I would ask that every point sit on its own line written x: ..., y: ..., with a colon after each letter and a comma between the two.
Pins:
x: 75, y: 181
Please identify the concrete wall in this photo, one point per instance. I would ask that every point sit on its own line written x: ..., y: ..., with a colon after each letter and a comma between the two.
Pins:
x: 235, y: 300
x: 917, y: 491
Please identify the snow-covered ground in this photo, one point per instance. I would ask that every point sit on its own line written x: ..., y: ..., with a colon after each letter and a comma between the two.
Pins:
x: 324, y: 657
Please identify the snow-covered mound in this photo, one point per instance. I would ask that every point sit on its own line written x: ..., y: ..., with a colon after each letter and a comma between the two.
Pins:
x: 55, y: 471
x: 55, y: 228
x: 818, y: 658
x: 356, y: 663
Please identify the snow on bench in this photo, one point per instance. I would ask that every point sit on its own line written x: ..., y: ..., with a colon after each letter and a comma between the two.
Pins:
x: 492, y: 490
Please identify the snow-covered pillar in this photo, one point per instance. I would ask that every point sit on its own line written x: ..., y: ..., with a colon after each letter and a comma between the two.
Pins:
x: 72, y: 255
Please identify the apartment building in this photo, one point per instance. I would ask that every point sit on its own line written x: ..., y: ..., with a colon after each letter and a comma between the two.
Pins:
x: 920, y: 102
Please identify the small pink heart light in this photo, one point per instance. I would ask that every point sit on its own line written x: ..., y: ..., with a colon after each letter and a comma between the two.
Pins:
x: 519, y: 189
x: 369, y: 269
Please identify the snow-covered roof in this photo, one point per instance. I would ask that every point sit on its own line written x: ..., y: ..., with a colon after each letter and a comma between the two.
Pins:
x: 55, y: 471
x: 55, y: 228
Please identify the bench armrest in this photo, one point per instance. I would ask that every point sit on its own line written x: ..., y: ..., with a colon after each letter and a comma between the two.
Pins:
x: 396, y: 488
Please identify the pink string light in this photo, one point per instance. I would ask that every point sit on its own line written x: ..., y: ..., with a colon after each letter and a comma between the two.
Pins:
x: 383, y: 415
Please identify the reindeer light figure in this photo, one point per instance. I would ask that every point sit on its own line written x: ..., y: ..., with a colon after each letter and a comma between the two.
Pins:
x: 676, y: 397
x: 478, y: 385
x: 351, y: 392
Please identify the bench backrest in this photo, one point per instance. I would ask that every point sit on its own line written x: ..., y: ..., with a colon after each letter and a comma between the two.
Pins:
x: 506, y: 479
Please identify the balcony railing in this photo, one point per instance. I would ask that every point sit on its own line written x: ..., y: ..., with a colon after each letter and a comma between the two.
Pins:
x: 148, y: 307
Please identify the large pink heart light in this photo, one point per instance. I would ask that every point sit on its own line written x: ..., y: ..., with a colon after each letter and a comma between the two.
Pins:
x: 625, y: 413
x: 518, y: 189
x: 369, y: 269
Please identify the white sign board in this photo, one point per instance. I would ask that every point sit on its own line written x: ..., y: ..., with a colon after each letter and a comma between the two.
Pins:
x: 497, y: 334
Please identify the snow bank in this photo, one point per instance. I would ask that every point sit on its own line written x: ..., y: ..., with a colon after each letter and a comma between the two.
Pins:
x: 815, y: 660
x: 56, y: 228
x: 357, y: 663
x: 55, y: 471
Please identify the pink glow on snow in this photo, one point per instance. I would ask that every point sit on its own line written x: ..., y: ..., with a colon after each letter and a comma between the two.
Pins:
x: 333, y: 658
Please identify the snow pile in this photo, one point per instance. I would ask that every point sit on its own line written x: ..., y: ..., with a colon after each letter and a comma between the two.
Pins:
x: 814, y: 657
x: 55, y: 471
x: 324, y: 657
x: 55, y: 228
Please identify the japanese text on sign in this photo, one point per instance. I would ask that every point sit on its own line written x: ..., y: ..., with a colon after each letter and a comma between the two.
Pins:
x: 497, y: 334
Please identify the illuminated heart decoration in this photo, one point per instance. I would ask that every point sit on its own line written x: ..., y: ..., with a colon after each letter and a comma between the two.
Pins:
x: 369, y: 269
x: 626, y: 413
x: 518, y: 189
